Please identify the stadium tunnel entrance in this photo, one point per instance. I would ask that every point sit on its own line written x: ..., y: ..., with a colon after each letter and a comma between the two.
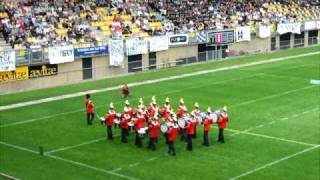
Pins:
x: 86, y: 68
x: 135, y: 63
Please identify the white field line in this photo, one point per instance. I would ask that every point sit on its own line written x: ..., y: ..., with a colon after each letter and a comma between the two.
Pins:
x: 134, y: 164
x: 274, y: 162
x: 166, y: 93
x: 78, y: 145
x: 273, y: 122
x: 273, y: 96
x: 69, y: 161
x: 115, y: 170
x: 270, y: 137
x: 33, y: 102
x: 8, y: 176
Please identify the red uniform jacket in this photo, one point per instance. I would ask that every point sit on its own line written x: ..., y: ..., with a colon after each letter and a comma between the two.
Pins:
x: 223, y: 120
x: 140, y: 123
x: 172, y: 134
x: 109, y: 118
x: 181, y: 111
x: 124, y: 123
x: 128, y: 110
x: 154, y: 130
x: 191, y: 127
x: 89, y: 106
x: 207, y: 123
x: 152, y: 111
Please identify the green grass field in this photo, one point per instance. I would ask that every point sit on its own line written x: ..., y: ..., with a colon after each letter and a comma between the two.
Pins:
x: 274, y: 129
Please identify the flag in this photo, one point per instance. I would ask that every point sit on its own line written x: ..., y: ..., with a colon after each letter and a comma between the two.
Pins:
x: 202, y: 37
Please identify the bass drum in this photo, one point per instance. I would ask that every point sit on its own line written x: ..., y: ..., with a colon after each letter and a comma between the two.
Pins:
x: 142, y: 132
x: 164, y: 128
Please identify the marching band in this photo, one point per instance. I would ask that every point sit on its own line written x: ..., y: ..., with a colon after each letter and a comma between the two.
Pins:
x: 152, y: 120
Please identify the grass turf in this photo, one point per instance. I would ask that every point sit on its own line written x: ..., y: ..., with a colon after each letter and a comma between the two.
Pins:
x: 275, y: 100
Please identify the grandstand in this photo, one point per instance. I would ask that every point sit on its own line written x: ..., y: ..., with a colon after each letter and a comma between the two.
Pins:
x: 246, y: 69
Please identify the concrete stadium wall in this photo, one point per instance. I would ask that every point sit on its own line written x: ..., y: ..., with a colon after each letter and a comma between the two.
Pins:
x: 70, y: 73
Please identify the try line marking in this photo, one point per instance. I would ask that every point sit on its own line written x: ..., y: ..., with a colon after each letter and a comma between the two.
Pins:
x: 274, y: 162
x: 55, y: 98
x: 69, y: 161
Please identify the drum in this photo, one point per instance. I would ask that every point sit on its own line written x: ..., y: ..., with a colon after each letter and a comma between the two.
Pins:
x: 182, y: 122
x: 215, y: 115
x: 116, y: 121
x: 164, y: 128
x: 203, y: 115
x: 131, y: 124
x: 142, y: 131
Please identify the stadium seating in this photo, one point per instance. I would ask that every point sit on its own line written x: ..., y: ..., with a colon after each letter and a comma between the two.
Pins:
x: 30, y: 23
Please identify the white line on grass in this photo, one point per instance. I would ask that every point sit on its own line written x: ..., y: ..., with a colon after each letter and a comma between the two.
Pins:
x: 274, y: 162
x: 168, y: 92
x: 273, y: 96
x: 78, y: 145
x: 272, y: 122
x: 260, y: 126
x: 69, y: 161
x: 115, y: 170
x: 270, y: 137
x: 152, y: 159
x: 33, y: 102
x: 8, y: 176
x: 82, y: 110
x: 134, y: 164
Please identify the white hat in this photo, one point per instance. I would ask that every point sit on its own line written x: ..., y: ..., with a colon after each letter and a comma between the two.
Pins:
x: 209, y: 109
x: 140, y: 101
x: 127, y: 102
x: 196, y: 105
x: 111, y: 105
x: 225, y: 109
x: 167, y: 100
x: 153, y: 98
x: 181, y: 101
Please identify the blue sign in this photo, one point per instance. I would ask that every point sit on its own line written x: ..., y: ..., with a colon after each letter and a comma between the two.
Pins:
x: 92, y: 51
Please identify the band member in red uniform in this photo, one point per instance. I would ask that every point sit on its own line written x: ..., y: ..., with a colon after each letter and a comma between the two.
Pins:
x: 196, y: 112
x: 109, y: 120
x: 89, y: 109
x: 207, y: 127
x: 167, y: 108
x: 154, y: 128
x: 153, y: 107
x: 182, y: 110
x: 124, y: 128
x: 125, y: 91
x: 222, y: 123
x: 172, y: 136
x: 127, y: 109
x: 190, y: 131
x: 140, y: 123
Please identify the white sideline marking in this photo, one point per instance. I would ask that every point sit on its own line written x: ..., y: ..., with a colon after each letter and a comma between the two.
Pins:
x: 8, y: 176
x: 69, y: 161
x: 78, y: 145
x: 271, y: 137
x: 273, y: 96
x: 272, y: 122
x: 152, y: 159
x: 295, y: 115
x: 134, y: 164
x: 275, y: 162
x: 283, y: 119
x: 260, y: 126
x: 82, y: 110
x: 115, y: 170
x: 74, y: 146
x: 55, y: 98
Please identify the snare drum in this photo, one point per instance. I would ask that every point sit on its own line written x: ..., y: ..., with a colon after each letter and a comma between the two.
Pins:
x: 164, y: 128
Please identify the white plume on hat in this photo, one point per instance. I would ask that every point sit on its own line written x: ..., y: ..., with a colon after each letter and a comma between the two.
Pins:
x: 111, y: 105
x: 167, y: 100
x: 196, y: 104
x: 127, y: 102
x: 225, y: 108
x: 181, y: 101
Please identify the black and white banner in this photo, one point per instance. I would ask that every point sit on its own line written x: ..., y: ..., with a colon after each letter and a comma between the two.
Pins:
x: 289, y: 28
x: 7, y: 61
x: 159, y: 43
x: 116, y: 54
x: 178, y: 39
x: 61, y: 54
x: 264, y: 31
x: 242, y: 33
x: 136, y: 46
